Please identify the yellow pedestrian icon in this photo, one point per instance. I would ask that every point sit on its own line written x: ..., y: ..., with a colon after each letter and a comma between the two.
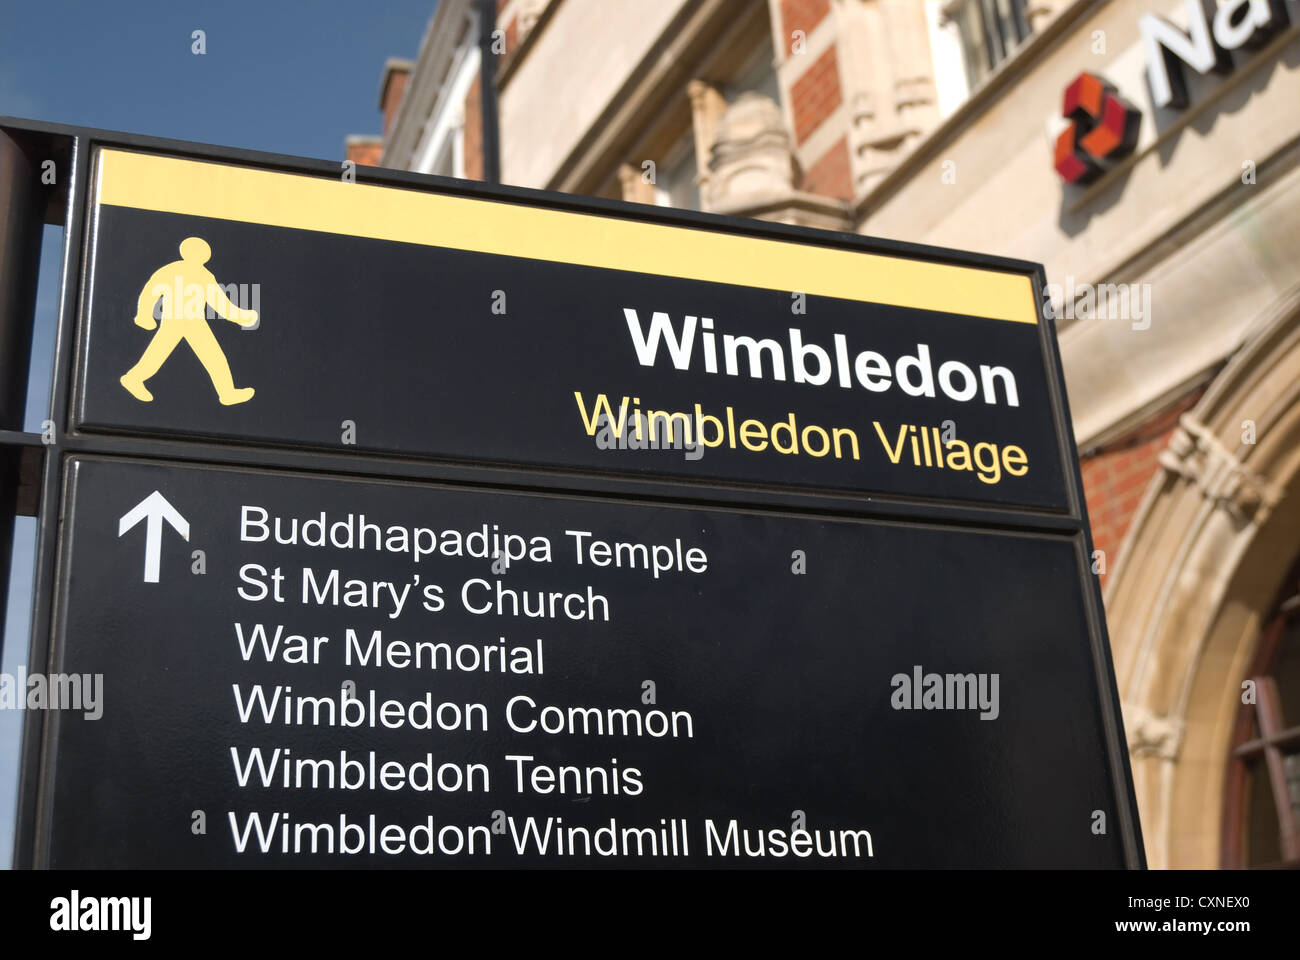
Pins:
x: 186, y: 288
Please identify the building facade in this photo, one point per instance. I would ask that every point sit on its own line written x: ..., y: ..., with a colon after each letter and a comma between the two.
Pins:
x: 1145, y: 151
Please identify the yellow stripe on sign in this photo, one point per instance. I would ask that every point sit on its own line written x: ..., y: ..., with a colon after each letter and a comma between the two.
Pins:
x: 229, y: 192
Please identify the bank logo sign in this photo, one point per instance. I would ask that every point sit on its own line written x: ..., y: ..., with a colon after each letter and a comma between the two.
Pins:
x: 1103, y: 125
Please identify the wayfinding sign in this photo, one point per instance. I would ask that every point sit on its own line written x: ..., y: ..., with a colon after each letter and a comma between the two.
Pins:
x: 407, y: 522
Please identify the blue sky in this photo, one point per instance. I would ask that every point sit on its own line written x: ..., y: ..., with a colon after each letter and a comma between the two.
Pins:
x: 289, y: 77
x: 281, y: 76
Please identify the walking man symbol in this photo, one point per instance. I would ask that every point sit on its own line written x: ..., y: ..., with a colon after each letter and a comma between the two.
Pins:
x: 186, y: 288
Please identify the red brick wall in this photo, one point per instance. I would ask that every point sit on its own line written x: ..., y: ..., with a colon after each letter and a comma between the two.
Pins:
x: 365, y: 154
x: 393, y: 94
x: 474, y: 131
x: 801, y: 15
x: 815, y: 95
x: 831, y: 176
x: 1116, y: 477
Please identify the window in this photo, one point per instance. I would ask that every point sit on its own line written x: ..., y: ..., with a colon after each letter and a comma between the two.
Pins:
x: 1262, y: 798
x: 990, y: 31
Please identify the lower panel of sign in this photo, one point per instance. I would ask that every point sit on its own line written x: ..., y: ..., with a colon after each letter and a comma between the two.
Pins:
x: 282, y: 670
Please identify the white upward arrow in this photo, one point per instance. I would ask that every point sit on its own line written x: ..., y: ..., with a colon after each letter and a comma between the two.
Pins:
x: 155, y: 509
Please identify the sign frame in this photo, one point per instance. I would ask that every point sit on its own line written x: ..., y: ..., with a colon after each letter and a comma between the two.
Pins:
x: 69, y: 202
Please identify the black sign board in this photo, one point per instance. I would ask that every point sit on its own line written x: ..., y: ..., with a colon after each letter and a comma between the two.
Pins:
x: 412, y: 522
x: 422, y: 324
x: 614, y: 693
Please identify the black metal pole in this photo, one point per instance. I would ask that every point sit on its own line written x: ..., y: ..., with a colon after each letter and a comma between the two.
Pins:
x: 22, y: 214
x: 487, y: 23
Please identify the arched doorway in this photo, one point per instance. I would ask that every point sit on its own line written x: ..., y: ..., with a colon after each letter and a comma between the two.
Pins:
x: 1196, y: 584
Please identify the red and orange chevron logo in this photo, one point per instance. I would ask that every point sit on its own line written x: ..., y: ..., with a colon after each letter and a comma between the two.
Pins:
x: 1102, y: 127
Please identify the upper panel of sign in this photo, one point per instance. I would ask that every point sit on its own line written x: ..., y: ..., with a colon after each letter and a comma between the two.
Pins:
x: 244, y: 304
